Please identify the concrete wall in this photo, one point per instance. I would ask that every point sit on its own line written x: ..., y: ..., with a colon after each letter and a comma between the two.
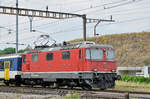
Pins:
x: 129, y: 70
x: 134, y: 71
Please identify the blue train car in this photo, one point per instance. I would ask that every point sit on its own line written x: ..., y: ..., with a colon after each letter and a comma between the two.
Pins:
x: 10, y: 68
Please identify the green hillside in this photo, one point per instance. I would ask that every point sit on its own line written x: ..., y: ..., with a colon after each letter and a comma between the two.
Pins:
x: 131, y: 49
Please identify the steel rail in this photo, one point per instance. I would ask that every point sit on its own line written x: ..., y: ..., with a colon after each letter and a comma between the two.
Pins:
x: 63, y: 92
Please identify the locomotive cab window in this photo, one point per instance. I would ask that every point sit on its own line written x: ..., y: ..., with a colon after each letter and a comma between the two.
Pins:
x: 65, y: 55
x: 110, y: 55
x: 34, y: 57
x: 49, y: 56
x: 94, y: 54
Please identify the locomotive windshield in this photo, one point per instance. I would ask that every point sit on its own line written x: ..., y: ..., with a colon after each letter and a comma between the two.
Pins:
x: 97, y: 54
x: 94, y: 54
x: 110, y: 56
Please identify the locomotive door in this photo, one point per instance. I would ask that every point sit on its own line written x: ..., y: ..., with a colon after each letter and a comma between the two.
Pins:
x: 6, y: 70
x: 26, y: 63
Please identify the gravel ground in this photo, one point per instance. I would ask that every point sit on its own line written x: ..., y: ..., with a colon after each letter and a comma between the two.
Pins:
x: 24, y: 96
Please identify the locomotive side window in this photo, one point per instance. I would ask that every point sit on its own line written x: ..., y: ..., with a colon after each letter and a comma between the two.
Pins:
x: 110, y: 56
x: 87, y: 54
x: 79, y: 54
x: 24, y: 59
x: 34, y: 57
x: 49, y: 56
x: 65, y: 55
x: 1, y: 64
x: 94, y: 54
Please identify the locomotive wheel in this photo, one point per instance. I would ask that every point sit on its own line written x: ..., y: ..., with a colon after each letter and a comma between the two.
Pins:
x: 57, y: 86
x: 70, y: 87
x: 17, y: 84
x: 86, y: 87
x: 102, y: 88
x: 43, y: 85
x: 30, y: 86
x: 6, y: 83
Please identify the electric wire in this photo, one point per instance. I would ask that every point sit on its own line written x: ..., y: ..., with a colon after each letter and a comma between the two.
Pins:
x: 106, y: 4
x: 79, y: 29
x: 79, y: 10
x: 121, y: 0
x: 75, y: 29
x: 75, y: 11
x: 114, y: 6
x: 38, y: 19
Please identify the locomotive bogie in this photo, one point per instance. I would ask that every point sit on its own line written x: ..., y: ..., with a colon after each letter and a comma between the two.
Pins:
x: 89, y: 80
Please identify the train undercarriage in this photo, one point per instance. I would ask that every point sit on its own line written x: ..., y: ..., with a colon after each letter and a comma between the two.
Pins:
x: 85, y: 81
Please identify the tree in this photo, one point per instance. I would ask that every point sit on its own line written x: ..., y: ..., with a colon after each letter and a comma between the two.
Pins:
x: 9, y: 50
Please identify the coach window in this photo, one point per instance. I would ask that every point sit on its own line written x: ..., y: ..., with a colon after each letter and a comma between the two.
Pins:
x: 11, y: 63
x: 65, y: 55
x: 1, y: 65
x: 34, y: 57
x: 49, y: 56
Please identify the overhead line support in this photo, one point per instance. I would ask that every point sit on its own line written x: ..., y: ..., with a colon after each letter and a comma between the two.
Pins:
x: 101, y: 20
x: 44, y: 14
x: 84, y: 27
x: 17, y: 12
x: 36, y: 13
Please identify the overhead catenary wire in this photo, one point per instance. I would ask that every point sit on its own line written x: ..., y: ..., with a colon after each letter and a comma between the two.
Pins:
x: 75, y: 29
x: 79, y: 29
x: 107, y: 4
x: 114, y: 6
x: 118, y: 5
x: 37, y: 19
x: 83, y: 10
x: 49, y: 23
x: 80, y: 10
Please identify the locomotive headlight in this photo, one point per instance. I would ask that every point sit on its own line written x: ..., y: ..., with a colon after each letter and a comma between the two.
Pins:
x: 95, y: 70
x: 113, y: 70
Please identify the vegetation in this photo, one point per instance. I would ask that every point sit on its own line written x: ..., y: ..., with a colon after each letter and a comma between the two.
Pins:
x: 132, y: 49
x: 72, y: 95
x: 7, y: 51
x: 12, y: 51
x: 132, y: 86
x: 136, y: 79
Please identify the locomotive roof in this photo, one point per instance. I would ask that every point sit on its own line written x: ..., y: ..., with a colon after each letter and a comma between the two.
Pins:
x: 10, y: 56
x: 70, y: 46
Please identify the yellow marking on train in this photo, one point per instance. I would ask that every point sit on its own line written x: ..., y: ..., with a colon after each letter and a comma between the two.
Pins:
x: 6, y: 67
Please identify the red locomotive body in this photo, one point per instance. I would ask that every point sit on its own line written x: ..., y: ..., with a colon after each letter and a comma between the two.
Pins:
x: 85, y: 65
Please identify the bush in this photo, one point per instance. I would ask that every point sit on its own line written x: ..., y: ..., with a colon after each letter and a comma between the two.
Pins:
x: 136, y: 79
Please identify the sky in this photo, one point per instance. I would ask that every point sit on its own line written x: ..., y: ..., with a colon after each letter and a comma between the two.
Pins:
x: 129, y: 15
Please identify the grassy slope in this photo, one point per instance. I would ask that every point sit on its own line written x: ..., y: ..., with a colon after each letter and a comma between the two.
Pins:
x: 132, y: 49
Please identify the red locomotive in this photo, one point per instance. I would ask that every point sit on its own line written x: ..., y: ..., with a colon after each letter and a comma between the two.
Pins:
x: 86, y: 64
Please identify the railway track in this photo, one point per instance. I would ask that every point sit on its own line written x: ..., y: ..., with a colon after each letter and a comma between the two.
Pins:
x: 62, y: 92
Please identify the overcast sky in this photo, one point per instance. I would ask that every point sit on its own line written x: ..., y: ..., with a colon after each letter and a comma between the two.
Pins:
x: 129, y: 16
